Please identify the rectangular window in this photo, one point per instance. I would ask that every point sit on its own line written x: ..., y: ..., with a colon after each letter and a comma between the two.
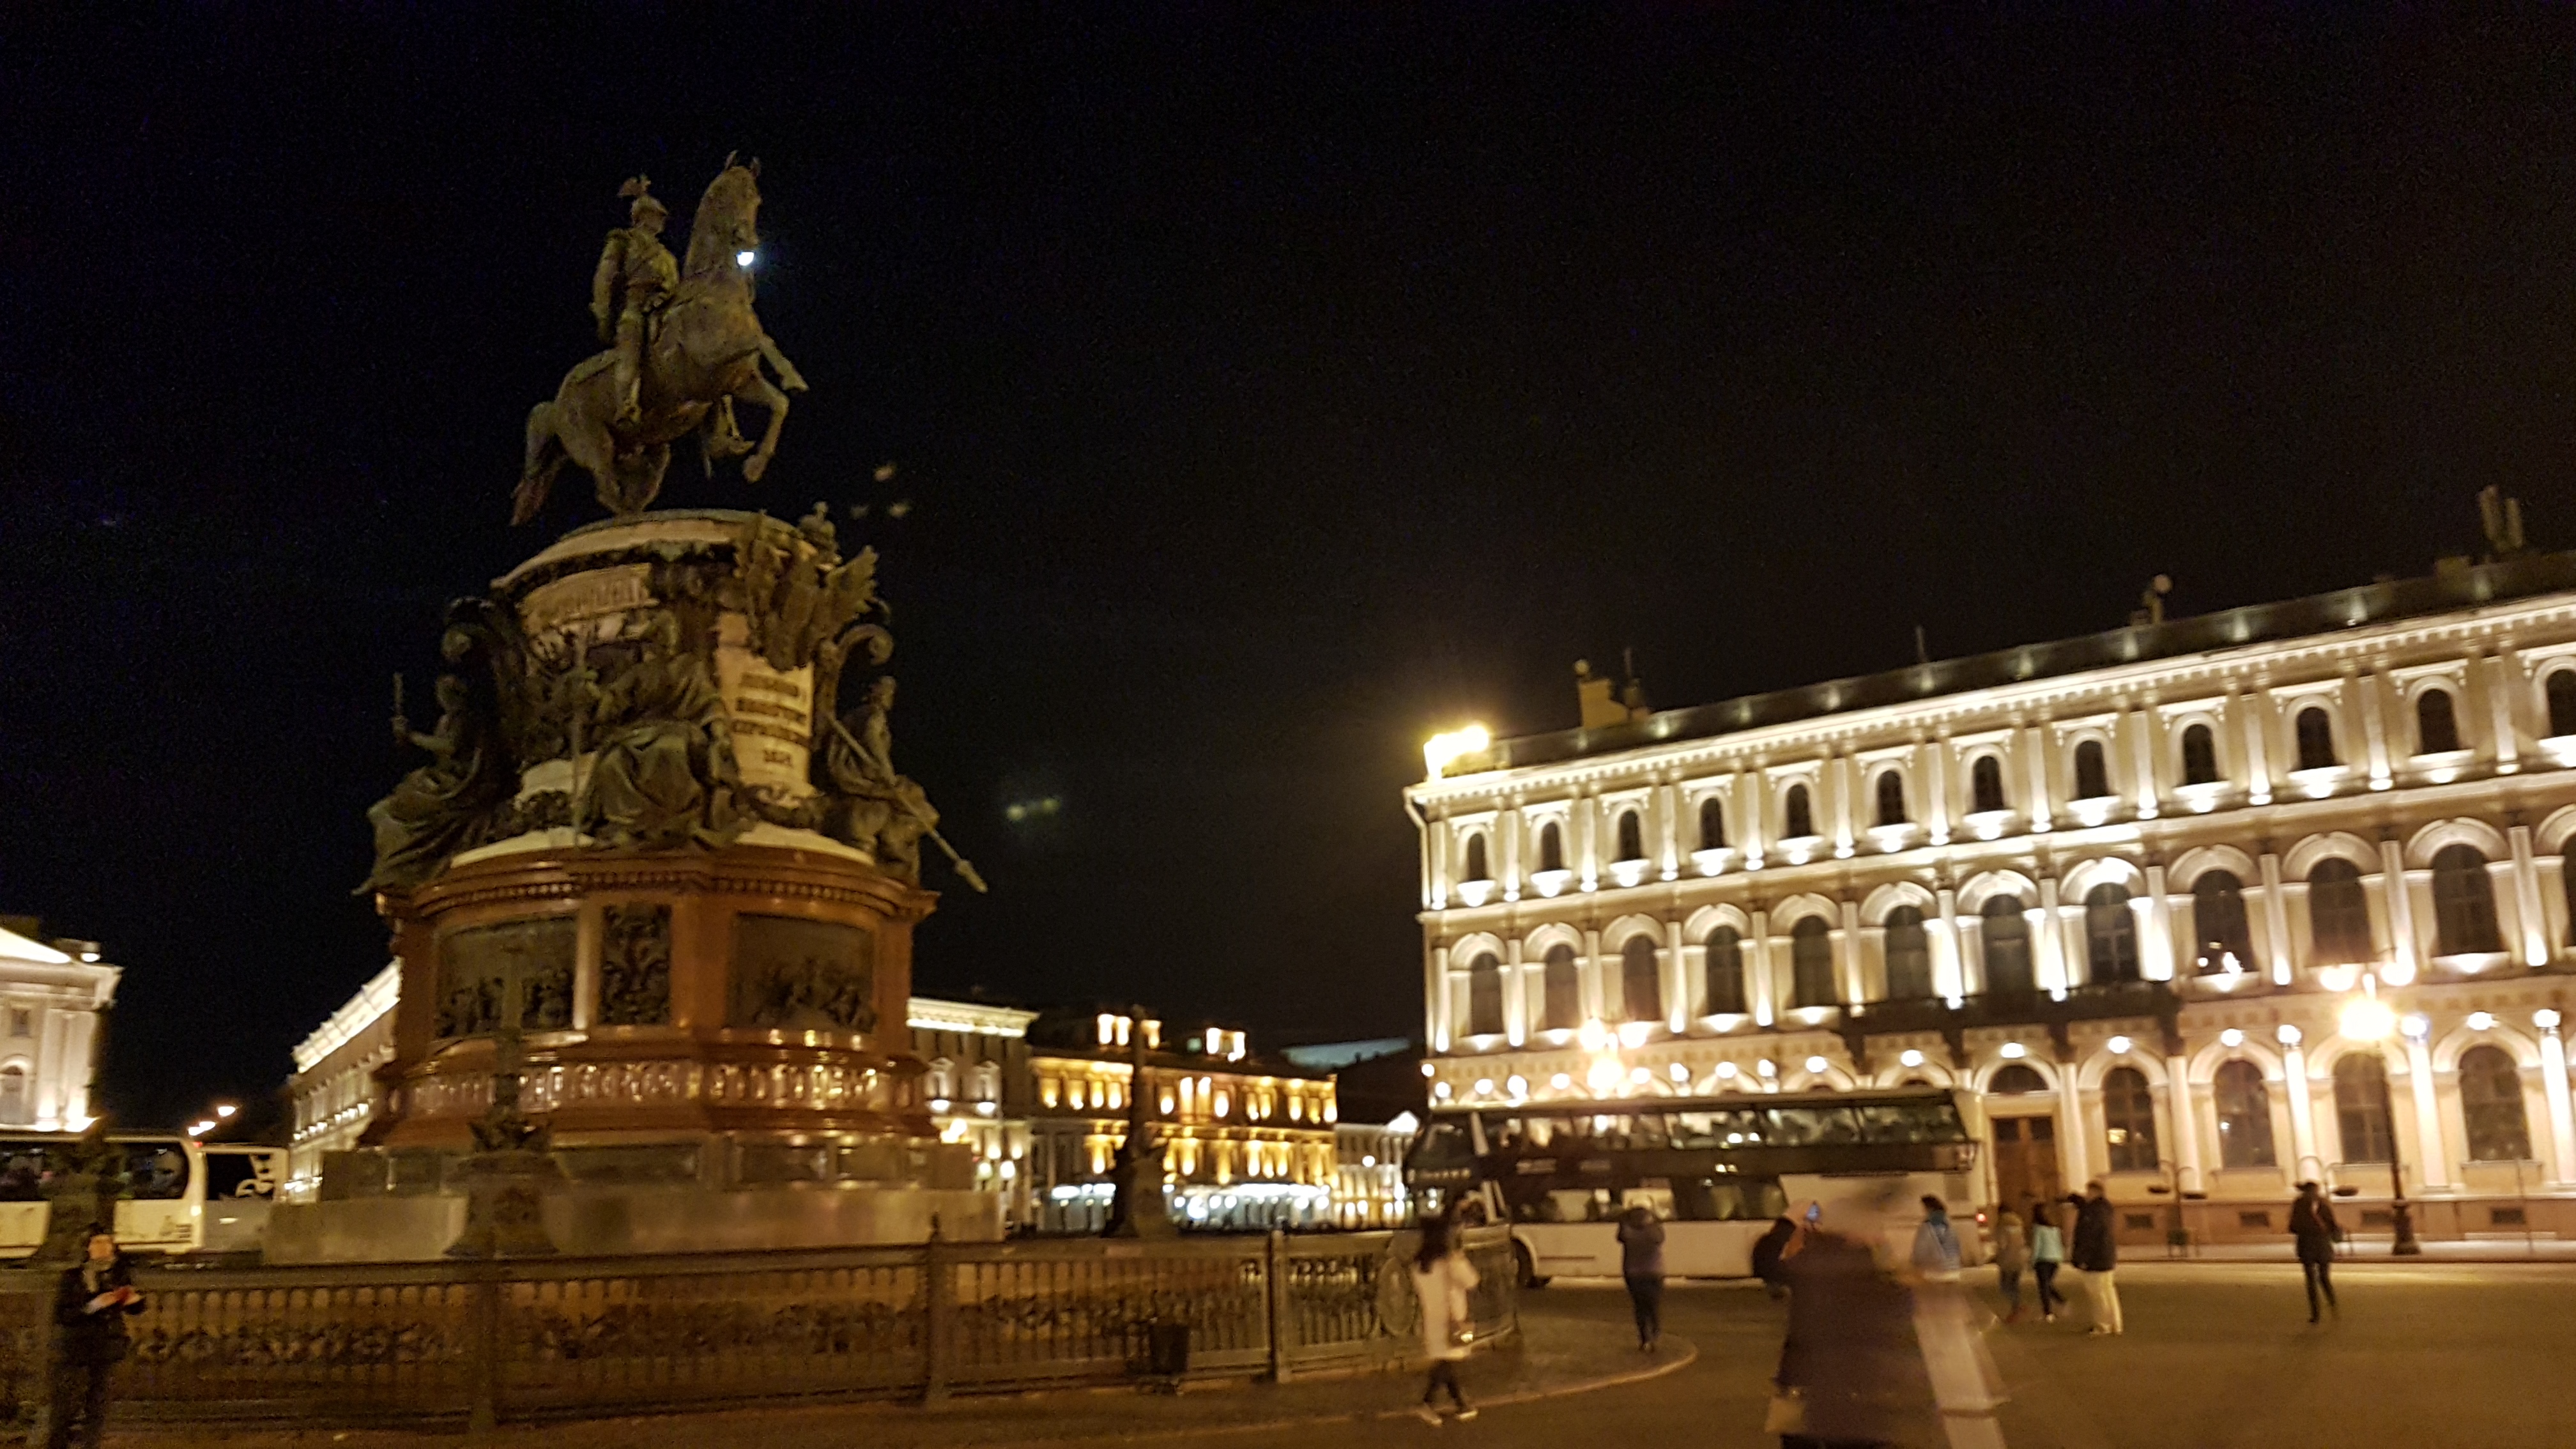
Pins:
x: 22, y: 1022
x: 2254, y: 1220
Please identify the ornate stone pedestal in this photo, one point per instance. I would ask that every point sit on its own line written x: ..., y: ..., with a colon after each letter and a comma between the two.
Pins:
x: 650, y: 831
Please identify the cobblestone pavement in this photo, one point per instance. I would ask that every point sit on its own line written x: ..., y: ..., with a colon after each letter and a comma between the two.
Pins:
x: 2218, y: 1355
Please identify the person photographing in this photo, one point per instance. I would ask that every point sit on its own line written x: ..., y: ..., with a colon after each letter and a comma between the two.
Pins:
x: 91, y: 1303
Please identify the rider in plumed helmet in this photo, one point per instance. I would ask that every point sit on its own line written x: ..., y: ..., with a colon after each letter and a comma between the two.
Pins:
x: 636, y: 277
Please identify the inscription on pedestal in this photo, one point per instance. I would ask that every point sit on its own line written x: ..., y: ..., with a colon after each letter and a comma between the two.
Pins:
x: 771, y: 712
x: 793, y: 974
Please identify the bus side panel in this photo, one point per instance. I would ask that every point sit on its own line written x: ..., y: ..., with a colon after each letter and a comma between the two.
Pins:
x: 156, y: 1225
x: 22, y: 1228
x: 1571, y: 1250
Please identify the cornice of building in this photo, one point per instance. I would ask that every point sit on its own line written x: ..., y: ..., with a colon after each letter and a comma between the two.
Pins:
x: 925, y: 1013
x: 373, y: 1001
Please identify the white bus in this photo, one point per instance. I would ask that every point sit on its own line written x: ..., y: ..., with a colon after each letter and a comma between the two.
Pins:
x: 1718, y: 1171
x: 181, y: 1196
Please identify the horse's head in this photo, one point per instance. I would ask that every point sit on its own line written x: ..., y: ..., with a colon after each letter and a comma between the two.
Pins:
x: 728, y: 219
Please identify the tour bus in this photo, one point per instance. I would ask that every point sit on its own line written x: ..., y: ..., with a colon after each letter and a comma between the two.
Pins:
x: 1717, y: 1170
x: 181, y: 1195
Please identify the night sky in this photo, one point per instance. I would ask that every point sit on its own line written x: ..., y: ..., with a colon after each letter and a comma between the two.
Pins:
x: 1268, y: 390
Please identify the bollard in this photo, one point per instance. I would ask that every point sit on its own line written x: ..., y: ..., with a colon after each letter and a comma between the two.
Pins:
x: 1283, y: 1323
x: 938, y: 1301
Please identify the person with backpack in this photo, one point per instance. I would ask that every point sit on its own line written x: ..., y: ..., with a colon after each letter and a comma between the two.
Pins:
x: 2012, y: 1256
x: 1641, y: 1266
x: 1442, y: 1278
x: 2047, y: 1255
x: 2096, y: 1254
x: 2313, y: 1225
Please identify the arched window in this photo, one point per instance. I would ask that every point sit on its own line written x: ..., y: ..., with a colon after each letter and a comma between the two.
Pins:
x: 2218, y: 922
x: 1811, y: 963
x: 2092, y: 771
x: 1632, y: 836
x: 2007, y: 941
x: 2129, y: 1120
x: 1476, y: 859
x: 2244, y: 1116
x: 1641, y: 984
x: 1724, y: 972
x: 1485, y: 996
x: 2016, y: 1080
x: 2436, y: 731
x: 1986, y: 785
x: 1712, y: 824
x: 2199, y: 756
x: 1564, y: 987
x: 1796, y: 816
x: 2361, y: 1107
x: 2560, y: 691
x: 2491, y: 1101
x: 1891, y: 798
x: 2316, y: 739
x: 1909, y: 956
x: 2110, y: 934
x: 2338, y: 915
x: 2464, y: 916
x: 1551, y: 847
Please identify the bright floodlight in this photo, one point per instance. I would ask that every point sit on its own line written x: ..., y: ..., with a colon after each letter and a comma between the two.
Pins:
x: 226, y: 1110
x: 742, y: 259
x: 1442, y: 750
x: 2368, y: 1019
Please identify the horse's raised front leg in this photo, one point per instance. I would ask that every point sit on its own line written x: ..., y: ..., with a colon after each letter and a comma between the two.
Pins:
x: 756, y: 390
x: 788, y: 377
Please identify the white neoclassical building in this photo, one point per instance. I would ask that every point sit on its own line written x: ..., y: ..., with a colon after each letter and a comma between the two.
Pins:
x: 2207, y: 906
x: 51, y: 994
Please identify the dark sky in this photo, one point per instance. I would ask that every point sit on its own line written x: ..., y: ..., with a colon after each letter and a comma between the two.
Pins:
x: 1270, y: 389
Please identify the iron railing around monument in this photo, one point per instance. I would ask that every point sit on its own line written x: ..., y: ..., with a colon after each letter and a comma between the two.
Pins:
x: 568, y: 1337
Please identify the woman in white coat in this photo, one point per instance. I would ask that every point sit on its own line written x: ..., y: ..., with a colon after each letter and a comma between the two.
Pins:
x: 1441, y: 1278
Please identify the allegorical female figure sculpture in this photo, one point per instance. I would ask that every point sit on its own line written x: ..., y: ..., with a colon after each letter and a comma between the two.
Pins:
x: 433, y: 812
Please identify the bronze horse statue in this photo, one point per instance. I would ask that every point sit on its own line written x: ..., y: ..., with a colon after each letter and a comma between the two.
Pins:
x: 705, y: 354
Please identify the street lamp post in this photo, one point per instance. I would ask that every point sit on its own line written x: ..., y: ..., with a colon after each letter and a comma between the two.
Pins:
x: 2367, y: 1018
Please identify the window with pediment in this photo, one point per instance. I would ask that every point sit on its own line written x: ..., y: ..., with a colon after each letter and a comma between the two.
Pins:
x: 2092, y: 771
x: 1986, y: 785
x: 2437, y: 731
x: 1712, y: 824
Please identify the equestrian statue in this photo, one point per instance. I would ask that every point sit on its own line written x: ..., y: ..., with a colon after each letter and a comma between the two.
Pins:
x: 683, y: 347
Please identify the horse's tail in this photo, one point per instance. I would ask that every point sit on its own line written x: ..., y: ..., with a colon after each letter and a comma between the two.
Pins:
x: 546, y: 457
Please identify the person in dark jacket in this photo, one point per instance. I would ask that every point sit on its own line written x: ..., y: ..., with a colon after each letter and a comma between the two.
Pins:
x: 1641, y: 1264
x: 2312, y: 1223
x: 91, y: 1304
x: 1766, y: 1255
x: 2095, y: 1253
x: 1850, y: 1360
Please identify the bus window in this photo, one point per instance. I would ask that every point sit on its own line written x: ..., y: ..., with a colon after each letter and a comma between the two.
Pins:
x: 1633, y: 1130
x: 1739, y: 1128
x: 1812, y: 1125
x: 1728, y: 1199
x: 155, y: 1171
x: 1911, y: 1122
x: 1441, y: 1154
x: 238, y: 1175
x: 1655, y: 1195
x: 22, y: 1174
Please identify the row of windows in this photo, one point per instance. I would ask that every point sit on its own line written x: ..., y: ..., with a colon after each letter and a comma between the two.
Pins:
x: 2491, y: 1106
x: 2436, y: 726
x: 2464, y: 923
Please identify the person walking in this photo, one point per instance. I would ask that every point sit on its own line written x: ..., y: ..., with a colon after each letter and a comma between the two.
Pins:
x: 1766, y: 1255
x: 2097, y: 1256
x: 91, y: 1304
x: 1936, y: 1243
x: 1442, y: 1277
x: 2012, y: 1256
x: 2312, y: 1223
x: 1848, y: 1367
x: 2047, y: 1255
x: 1641, y: 1264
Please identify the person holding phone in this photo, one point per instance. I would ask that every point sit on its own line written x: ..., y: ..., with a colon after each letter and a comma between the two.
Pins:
x: 1849, y: 1371
x: 91, y: 1304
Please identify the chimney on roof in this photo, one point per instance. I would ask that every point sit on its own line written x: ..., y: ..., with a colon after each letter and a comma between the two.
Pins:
x: 1606, y: 702
x: 2501, y: 519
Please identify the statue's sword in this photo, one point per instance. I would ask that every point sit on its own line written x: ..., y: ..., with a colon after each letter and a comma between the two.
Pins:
x: 965, y: 868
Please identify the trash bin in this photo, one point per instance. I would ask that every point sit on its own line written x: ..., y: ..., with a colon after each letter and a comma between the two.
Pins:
x: 1167, y: 1349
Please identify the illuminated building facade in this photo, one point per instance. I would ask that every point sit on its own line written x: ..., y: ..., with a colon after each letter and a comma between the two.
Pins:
x: 2210, y: 905
x: 978, y: 1086
x: 51, y: 995
x: 334, y: 1088
x: 1248, y: 1141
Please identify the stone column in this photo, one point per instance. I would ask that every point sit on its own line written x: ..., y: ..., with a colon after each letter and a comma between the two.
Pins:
x: 2276, y: 919
x: 1668, y: 806
x: 2258, y: 758
x: 2158, y: 940
x: 2430, y: 1150
x: 1949, y: 956
x: 2145, y: 743
x: 1748, y: 819
x: 1510, y: 827
x: 2365, y: 698
x: 1587, y: 839
x: 2035, y: 748
x: 1677, y: 991
x: 1936, y: 788
x: 1842, y: 773
x: 1596, y: 991
x: 1516, y: 1012
x: 80, y: 1064
x: 1435, y: 1000
x: 2074, y: 1136
x: 2046, y: 939
x: 2503, y: 690
x: 1847, y: 963
x: 1764, y: 997
x: 2526, y: 899
x: 2401, y: 907
x: 2553, y: 1083
x: 1442, y: 841
x: 2186, y: 1122
x: 2303, y: 1120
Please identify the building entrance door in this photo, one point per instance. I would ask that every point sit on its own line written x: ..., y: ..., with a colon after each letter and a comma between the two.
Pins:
x: 2025, y: 1160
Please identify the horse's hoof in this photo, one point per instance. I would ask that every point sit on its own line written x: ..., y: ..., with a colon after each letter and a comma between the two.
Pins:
x: 752, y: 468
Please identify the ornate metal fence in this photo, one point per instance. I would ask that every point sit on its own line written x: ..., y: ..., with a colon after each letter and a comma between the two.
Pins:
x: 568, y: 1337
